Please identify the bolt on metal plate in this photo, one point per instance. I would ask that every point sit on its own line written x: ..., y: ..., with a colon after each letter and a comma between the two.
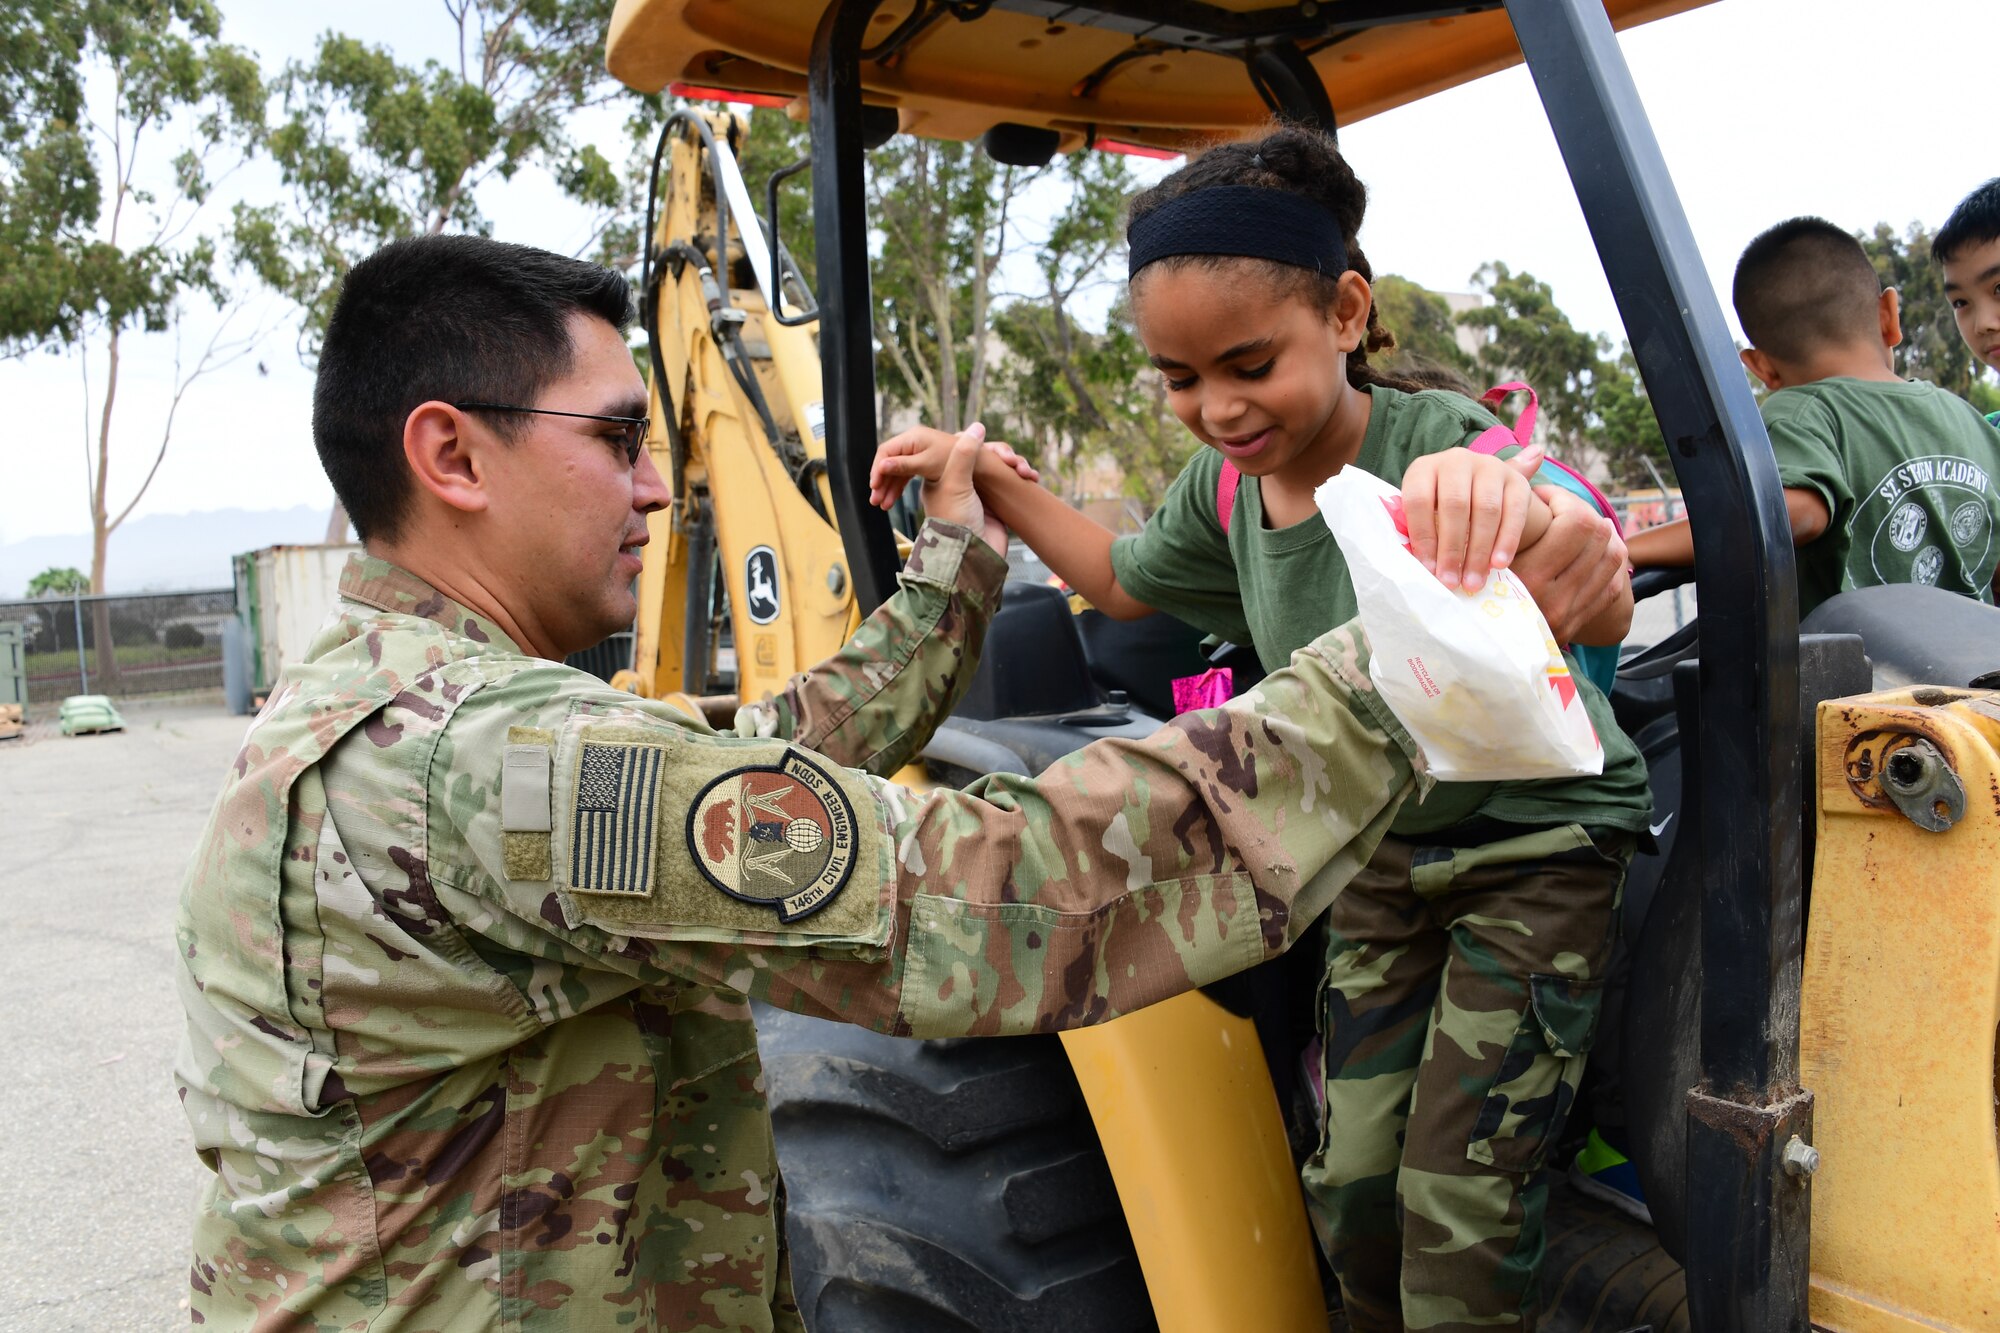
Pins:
x: 1923, y: 786
x: 1801, y: 1159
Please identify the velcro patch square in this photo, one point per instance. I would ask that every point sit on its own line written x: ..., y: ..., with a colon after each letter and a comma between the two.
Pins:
x: 616, y: 830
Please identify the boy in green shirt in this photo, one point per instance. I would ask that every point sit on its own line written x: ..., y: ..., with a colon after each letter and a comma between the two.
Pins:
x: 1967, y: 248
x: 1886, y: 480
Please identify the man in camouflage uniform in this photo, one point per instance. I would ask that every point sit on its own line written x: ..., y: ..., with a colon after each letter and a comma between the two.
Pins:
x: 467, y: 944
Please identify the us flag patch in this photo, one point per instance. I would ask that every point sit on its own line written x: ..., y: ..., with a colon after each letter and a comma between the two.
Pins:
x: 617, y: 806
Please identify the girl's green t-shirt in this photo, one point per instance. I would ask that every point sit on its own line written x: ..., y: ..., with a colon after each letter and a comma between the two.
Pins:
x: 1280, y: 589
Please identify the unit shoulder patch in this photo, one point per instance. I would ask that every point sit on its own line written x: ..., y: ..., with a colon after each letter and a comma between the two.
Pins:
x: 780, y: 836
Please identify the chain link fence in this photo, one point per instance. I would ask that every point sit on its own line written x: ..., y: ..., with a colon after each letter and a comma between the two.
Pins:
x: 605, y: 659
x: 126, y: 645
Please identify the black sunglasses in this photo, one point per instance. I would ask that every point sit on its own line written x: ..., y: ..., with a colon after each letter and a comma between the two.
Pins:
x: 630, y: 440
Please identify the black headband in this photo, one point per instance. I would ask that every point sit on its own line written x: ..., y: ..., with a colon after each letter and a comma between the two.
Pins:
x: 1245, y: 220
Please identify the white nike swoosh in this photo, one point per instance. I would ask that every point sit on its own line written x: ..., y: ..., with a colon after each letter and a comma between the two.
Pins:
x: 1661, y: 827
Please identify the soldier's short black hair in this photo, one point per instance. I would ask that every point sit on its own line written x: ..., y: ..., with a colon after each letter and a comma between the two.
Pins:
x: 451, y: 318
x: 1803, y: 285
x: 1975, y: 221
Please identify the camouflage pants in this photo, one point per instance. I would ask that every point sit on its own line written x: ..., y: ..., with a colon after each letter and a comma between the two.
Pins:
x: 1460, y: 999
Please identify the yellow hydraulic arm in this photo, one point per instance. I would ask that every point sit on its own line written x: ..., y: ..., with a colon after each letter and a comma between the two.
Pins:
x: 739, y: 435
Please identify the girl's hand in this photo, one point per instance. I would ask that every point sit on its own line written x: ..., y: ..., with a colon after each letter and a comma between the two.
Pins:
x: 922, y: 451
x: 952, y: 498
x: 1468, y: 513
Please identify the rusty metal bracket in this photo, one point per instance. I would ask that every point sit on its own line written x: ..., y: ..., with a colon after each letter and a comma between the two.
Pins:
x: 1922, y: 784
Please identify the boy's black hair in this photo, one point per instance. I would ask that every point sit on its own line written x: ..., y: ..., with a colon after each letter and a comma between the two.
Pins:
x: 1304, y: 162
x: 447, y: 318
x: 1803, y: 285
x: 1975, y: 221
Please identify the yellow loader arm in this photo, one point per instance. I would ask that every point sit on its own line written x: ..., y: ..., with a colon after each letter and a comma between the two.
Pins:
x: 740, y: 437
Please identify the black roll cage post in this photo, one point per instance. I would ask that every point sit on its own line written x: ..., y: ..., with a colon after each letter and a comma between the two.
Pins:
x: 1747, y: 1260
x: 1746, y: 1247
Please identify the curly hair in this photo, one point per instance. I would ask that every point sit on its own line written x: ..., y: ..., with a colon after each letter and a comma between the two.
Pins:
x: 1304, y: 162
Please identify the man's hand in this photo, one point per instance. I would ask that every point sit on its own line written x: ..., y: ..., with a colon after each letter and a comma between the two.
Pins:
x: 922, y: 451
x: 952, y: 497
x: 1577, y: 571
x: 1469, y: 513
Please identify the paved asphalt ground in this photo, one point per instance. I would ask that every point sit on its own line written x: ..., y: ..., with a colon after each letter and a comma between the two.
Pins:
x: 94, y: 833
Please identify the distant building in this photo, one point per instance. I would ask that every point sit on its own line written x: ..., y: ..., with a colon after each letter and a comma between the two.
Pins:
x: 1472, y: 338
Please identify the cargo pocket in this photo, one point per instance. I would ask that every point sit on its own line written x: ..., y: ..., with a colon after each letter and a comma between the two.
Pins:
x: 1530, y: 1095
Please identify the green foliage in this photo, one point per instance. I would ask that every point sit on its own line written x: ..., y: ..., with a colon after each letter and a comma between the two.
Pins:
x: 1629, y: 434
x: 373, y: 149
x: 61, y: 272
x: 58, y: 654
x: 1423, y: 324
x: 776, y: 140
x: 1985, y: 396
x: 942, y: 211
x: 1071, y: 396
x: 958, y: 349
x: 1931, y: 349
x: 59, y: 581
x: 41, y: 46
x: 1530, y: 338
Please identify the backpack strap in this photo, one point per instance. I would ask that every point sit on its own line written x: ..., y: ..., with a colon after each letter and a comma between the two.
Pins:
x: 1495, y: 438
x: 1225, y: 493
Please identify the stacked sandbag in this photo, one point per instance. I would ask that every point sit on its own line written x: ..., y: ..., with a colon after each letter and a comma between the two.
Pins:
x: 86, y: 713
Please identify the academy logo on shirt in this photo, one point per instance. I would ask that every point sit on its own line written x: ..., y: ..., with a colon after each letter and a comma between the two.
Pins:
x: 1928, y: 521
x: 780, y: 837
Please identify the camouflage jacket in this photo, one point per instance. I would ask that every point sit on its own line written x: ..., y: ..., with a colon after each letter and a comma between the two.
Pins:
x: 466, y: 945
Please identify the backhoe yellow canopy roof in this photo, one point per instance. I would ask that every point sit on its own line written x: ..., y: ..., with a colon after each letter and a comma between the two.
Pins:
x: 1166, y: 74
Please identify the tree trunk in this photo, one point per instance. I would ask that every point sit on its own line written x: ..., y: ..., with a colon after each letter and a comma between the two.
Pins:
x: 105, y: 668
x: 947, y: 355
x: 1066, y: 354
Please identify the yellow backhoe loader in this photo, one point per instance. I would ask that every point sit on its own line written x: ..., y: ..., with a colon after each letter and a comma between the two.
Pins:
x: 1835, y: 1084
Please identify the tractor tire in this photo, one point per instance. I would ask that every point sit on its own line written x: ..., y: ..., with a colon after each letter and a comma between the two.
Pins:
x: 944, y: 1185
x: 1605, y: 1273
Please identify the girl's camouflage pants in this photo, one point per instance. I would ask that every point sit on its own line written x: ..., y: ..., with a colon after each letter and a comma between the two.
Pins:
x: 1459, y: 1001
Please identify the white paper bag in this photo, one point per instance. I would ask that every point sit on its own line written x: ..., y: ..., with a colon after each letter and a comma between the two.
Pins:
x: 1475, y: 676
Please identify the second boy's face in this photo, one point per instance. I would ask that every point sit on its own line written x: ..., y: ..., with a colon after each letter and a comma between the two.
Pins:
x: 1972, y: 289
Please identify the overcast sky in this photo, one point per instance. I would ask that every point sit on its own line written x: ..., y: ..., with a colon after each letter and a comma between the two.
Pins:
x: 1764, y: 109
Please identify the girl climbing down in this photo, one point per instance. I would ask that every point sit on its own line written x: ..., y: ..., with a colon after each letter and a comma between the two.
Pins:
x: 1463, y: 965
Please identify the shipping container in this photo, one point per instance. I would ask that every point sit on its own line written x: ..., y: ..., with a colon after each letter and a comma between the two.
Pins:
x: 283, y: 595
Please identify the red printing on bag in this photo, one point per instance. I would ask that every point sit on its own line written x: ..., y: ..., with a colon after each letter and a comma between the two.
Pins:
x: 1430, y: 687
x: 1394, y: 504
